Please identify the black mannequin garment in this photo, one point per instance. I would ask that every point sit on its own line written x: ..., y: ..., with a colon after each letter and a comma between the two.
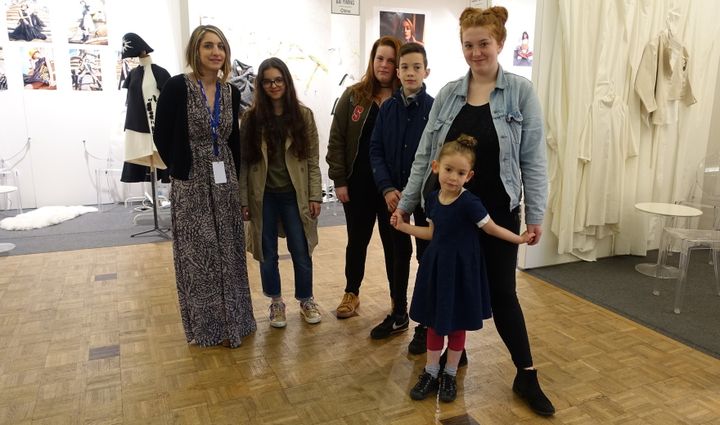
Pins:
x: 138, y: 119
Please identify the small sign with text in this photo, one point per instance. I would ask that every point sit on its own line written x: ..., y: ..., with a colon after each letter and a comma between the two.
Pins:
x: 482, y: 4
x: 346, y: 7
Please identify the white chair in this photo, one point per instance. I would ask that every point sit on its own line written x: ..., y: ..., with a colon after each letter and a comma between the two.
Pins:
x: 103, y: 182
x: 7, y: 174
x: 690, y: 239
x: 707, y: 183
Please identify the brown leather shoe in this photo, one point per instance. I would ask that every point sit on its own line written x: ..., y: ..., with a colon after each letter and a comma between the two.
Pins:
x: 348, y: 305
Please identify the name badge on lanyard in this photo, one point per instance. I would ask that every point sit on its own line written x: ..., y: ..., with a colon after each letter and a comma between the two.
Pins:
x: 218, y: 166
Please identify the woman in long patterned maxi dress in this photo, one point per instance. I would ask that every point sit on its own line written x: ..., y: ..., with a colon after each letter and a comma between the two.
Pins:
x: 196, y: 133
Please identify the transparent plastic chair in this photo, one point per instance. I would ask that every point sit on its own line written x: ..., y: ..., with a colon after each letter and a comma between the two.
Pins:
x: 706, y: 191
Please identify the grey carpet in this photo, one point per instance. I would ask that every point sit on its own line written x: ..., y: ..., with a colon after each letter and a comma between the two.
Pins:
x: 614, y: 284
x: 113, y: 226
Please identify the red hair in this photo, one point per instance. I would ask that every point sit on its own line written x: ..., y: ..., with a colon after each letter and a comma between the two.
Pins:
x: 493, y: 18
x: 369, y: 86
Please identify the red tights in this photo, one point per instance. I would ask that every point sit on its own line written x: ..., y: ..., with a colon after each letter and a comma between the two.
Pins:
x: 435, y: 342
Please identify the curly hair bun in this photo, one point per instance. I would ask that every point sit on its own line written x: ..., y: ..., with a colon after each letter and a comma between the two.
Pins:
x: 466, y: 141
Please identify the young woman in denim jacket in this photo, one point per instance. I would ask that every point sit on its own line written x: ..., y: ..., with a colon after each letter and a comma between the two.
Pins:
x: 503, y: 113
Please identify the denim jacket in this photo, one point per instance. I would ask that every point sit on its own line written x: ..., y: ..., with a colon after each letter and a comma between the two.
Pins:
x: 516, y: 113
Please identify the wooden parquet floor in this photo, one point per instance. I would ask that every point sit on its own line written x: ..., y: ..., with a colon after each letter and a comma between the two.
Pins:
x: 94, y: 337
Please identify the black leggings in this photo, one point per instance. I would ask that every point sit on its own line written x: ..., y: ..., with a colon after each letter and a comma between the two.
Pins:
x: 365, y: 206
x: 501, y: 261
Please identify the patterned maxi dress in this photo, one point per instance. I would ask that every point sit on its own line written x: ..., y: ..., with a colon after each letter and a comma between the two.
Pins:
x: 209, y: 238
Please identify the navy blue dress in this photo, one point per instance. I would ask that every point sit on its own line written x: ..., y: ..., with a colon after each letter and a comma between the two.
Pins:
x: 451, y: 289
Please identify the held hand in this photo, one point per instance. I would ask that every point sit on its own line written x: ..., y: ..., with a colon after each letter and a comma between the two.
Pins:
x: 342, y: 194
x: 245, y: 213
x: 315, y: 208
x: 526, y: 237
x: 401, y: 216
x: 392, y: 198
x: 397, y: 223
x: 536, y: 230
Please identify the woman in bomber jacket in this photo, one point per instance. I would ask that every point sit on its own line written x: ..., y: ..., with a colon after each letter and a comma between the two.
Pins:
x: 348, y: 158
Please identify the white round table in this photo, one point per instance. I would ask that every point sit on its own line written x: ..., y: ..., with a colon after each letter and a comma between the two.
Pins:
x: 668, y: 212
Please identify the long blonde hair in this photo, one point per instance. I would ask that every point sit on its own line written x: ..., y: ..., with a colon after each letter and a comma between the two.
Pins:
x: 192, y: 51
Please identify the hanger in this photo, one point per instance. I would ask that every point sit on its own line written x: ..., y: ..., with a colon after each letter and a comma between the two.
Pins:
x: 672, y: 16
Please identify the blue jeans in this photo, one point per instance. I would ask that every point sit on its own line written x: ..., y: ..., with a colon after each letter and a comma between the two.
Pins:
x: 282, y: 207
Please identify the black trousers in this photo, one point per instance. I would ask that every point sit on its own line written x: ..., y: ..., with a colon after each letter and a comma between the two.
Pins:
x: 365, y: 207
x: 501, y: 262
x: 402, y: 252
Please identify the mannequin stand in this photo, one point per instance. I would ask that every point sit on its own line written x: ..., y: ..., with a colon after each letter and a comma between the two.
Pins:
x: 156, y: 228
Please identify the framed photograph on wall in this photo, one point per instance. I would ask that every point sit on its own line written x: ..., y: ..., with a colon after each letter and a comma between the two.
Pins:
x: 88, y: 24
x: 28, y: 20
x: 39, y: 70
x: 85, y: 70
x: 518, y: 54
x: 405, y: 25
x: 523, y: 54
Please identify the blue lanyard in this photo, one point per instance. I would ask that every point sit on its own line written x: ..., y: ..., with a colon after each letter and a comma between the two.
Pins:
x: 214, y: 115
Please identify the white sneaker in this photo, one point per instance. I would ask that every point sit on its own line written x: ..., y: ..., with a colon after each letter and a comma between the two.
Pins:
x: 310, y: 312
x: 277, y: 315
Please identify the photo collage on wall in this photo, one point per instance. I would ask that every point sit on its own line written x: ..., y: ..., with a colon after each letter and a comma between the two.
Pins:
x: 33, y: 32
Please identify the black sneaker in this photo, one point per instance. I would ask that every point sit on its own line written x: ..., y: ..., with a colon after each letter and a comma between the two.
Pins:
x: 418, y: 345
x: 462, y: 363
x: 426, y: 385
x: 390, y: 326
x: 447, y: 388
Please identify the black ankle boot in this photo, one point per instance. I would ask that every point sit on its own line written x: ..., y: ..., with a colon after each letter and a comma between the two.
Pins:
x: 526, y: 385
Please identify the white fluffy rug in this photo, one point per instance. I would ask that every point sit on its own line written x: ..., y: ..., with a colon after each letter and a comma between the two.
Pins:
x: 43, y: 217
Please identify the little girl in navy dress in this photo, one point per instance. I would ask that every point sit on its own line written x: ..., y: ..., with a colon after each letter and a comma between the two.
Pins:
x: 451, y: 291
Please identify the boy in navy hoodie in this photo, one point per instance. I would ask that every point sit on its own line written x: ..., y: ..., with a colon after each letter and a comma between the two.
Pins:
x: 395, y: 138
